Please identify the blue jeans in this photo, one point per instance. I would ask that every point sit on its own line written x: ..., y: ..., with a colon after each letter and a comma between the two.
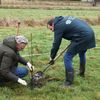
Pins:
x: 68, y: 57
x: 18, y: 71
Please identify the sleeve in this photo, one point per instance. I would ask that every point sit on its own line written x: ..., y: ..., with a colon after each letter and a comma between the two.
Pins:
x: 56, y: 43
x: 5, y: 71
x: 21, y: 60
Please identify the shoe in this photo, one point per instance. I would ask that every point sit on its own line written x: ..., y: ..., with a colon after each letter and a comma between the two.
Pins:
x: 67, y: 84
x: 80, y: 74
x: 82, y: 70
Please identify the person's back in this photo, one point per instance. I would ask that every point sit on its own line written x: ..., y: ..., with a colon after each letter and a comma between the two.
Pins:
x: 72, y: 26
x: 8, y: 45
x: 73, y: 29
x: 79, y: 27
x: 1, y: 52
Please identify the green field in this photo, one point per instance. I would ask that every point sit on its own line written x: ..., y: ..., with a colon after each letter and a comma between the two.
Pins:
x: 43, y: 13
x: 83, y: 89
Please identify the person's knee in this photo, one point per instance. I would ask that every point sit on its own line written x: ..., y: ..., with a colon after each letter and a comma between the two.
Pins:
x: 67, y: 57
x: 68, y: 61
x: 25, y: 71
x: 22, y: 72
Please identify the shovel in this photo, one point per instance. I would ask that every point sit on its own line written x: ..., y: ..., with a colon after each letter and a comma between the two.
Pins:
x: 38, y: 79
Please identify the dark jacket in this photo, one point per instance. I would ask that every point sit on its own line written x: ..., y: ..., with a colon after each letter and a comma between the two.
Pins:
x: 77, y: 31
x: 9, y: 58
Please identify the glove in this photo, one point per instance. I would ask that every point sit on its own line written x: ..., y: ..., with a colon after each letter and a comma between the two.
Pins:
x: 23, y: 82
x: 31, y: 68
x: 51, y: 61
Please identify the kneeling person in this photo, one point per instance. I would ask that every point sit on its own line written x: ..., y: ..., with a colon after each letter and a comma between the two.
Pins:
x: 10, y: 57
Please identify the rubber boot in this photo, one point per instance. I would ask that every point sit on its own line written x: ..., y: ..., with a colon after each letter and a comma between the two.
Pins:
x: 82, y: 70
x: 69, y: 78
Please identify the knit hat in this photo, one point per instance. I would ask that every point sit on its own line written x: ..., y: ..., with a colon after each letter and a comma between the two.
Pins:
x: 21, y: 39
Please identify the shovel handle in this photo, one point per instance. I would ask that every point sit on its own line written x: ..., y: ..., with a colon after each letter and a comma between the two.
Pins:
x: 31, y: 74
x: 48, y: 65
x: 61, y: 53
x: 46, y: 68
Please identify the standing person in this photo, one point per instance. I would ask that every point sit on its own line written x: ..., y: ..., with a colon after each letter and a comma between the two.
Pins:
x: 9, y: 59
x: 81, y: 36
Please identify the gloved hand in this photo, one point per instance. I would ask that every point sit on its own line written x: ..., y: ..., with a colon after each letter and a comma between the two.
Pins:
x: 51, y: 61
x: 31, y: 68
x: 23, y: 82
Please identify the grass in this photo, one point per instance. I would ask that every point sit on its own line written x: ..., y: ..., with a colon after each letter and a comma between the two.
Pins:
x: 87, y: 88
x: 23, y: 14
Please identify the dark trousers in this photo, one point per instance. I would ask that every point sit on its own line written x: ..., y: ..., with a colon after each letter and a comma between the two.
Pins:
x: 68, y: 57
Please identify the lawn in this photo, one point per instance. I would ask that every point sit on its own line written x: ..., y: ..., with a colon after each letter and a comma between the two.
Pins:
x: 23, y: 14
x: 87, y: 88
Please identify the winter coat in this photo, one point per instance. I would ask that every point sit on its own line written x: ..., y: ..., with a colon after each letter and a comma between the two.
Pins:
x: 9, y: 58
x: 75, y: 30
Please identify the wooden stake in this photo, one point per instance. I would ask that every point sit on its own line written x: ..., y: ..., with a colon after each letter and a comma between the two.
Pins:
x: 18, y: 26
x: 31, y: 49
